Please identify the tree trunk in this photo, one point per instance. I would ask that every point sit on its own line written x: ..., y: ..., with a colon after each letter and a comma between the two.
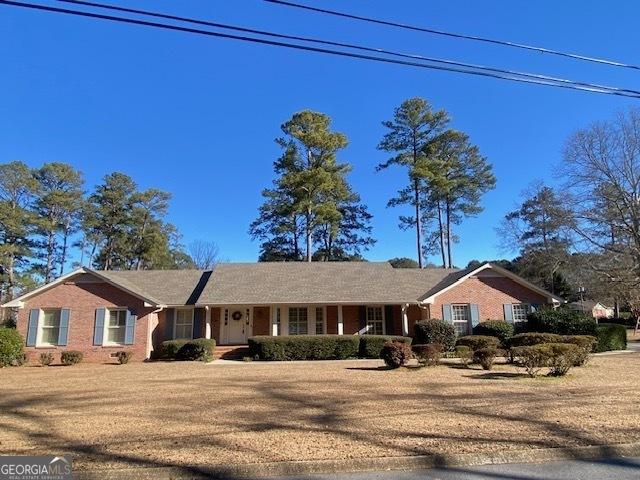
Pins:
x: 308, y: 234
x: 449, y: 234
x: 65, y: 239
x: 51, y: 241
x: 441, y: 228
x: 416, y: 194
x: 11, y: 277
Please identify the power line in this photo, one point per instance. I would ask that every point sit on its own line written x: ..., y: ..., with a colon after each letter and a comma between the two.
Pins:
x: 606, y: 90
x: 346, y: 45
x: 456, y: 35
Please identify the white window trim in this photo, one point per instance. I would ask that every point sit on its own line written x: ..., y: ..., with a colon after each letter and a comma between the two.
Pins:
x: 366, y: 318
x: 324, y: 320
x: 467, y: 320
x: 105, y: 332
x: 309, y: 309
x: 175, y: 322
x: 527, y: 307
x: 39, y: 342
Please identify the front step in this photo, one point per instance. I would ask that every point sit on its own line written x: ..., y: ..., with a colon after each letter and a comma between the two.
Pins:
x: 231, y: 352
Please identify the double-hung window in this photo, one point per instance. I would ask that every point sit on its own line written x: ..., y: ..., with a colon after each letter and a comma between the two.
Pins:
x: 115, y: 326
x: 298, y: 321
x: 375, y: 321
x: 520, y: 312
x: 461, y: 315
x: 49, y: 328
x: 183, y: 326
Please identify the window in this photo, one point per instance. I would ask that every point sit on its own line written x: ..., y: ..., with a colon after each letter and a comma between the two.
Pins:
x: 50, y: 327
x: 375, y: 321
x: 183, y: 327
x: 520, y: 312
x: 116, y: 325
x: 298, y: 321
x: 461, y: 316
x: 319, y: 320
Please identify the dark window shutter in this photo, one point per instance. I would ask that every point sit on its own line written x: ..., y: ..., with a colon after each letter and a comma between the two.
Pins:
x: 130, y: 328
x: 197, y: 322
x: 447, y: 314
x: 362, y: 317
x: 63, y: 333
x: 169, y: 318
x: 98, y: 330
x: 388, y: 320
x: 32, y: 327
x: 475, y: 315
x: 508, y: 312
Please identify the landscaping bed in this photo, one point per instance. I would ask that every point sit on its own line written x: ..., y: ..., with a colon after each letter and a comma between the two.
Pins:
x: 193, y: 414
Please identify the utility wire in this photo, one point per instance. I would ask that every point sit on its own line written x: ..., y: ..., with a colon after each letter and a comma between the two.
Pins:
x: 345, y: 45
x: 456, y: 35
x: 311, y: 49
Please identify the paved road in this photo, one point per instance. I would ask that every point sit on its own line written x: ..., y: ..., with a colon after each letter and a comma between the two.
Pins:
x: 611, y: 469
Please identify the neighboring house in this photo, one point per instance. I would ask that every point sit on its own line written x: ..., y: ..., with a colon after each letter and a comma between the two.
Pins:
x: 595, y: 309
x: 101, y: 312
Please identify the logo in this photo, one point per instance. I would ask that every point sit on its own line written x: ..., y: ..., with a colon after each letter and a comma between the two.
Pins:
x: 48, y: 467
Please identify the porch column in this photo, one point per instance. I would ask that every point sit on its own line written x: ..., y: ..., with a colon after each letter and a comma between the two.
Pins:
x: 340, y: 321
x: 274, y: 320
x: 207, y: 327
x: 405, y: 320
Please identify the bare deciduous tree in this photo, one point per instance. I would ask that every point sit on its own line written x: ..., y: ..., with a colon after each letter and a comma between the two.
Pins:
x: 204, y: 253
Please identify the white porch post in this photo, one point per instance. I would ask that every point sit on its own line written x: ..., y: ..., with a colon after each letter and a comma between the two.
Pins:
x: 405, y: 320
x: 207, y: 328
x: 340, y: 321
x: 274, y: 320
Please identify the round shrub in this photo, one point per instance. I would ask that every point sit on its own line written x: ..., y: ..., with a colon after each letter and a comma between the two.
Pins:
x: 465, y: 354
x: 71, y: 357
x: 495, y: 328
x: 485, y: 357
x: 435, y: 331
x: 562, y: 356
x: 395, y: 354
x: 200, y: 349
x: 428, y: 354
x: 561, y: 321
x: 45, y: 358
x: 533, y: 338
x: 11, y: 346
x: 170, y: 348
x: 371, y: 345
x: 611, y: 337
x: 585, y: 343
x: 532, y: 358
x: 476, y: 342
x: 123, y: 356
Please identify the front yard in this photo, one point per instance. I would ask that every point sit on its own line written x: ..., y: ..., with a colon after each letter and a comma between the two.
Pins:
x: 171, y: 414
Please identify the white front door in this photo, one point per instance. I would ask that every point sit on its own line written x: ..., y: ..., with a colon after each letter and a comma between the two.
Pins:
x: 239, y: 325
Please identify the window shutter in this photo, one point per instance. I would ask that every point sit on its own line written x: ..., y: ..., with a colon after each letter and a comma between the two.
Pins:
x: 508, y: 312
x: 197, y: 322
x: 32, y: 328
x: 362, y: 317
x: 447, y: 314
x: 388, y: 320
x: 169, y: 319
x: 98, y: 330
x: 475, y: 315
x: 63, y: 333
x: 130, y: 328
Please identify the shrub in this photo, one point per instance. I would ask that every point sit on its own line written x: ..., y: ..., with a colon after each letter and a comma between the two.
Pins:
x: 532, y: 358
x: 123, y: 356
x: 611, y: 337
x: 304, y: 347
x: 20, y: 360
x: 200, y: 349
x: 170, y: 348
x: 562, y: 356
x: 495, y: 328
x: 71, y: 357
x: 485, y: 357
x: 371, y: 345
x: 11, y: 346
x: 428, y: 354
x: 45, y: 358
x: 465, y: 354
x: 585, y: 343
x: 395, y: 354
x: 561, y: 321
x: 532, y: 338
x: 476, y: 342
x: 435, y: 331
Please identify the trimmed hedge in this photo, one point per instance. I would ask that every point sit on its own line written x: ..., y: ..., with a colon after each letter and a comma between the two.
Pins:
x: 485, y: 357
x: 428, y: 354
x: 371, y: 345
x: 495, y: 328
x: 533, y: 338
x: 435, y: 331
x: 11, y: 346
x: 396, y: 354
x: 304, y: 347
x: 199, y: 349
x: 611, y: 336
x: 476, y: 342
x: 561, y: 321
x: 170, y: 348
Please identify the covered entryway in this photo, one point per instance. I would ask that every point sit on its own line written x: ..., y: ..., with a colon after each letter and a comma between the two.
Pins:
x: 236, y: 325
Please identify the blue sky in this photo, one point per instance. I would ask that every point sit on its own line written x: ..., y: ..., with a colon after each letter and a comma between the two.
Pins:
x: 197, y: 116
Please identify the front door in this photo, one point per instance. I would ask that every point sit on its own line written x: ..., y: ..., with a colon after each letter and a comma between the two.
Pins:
x: 239, y: 324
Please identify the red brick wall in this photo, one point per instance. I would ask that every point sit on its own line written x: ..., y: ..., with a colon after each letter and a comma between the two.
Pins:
x: 83, y: 295
x: 489, y: 293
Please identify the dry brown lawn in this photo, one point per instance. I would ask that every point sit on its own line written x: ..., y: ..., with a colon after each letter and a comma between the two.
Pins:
x: 173, y: 414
